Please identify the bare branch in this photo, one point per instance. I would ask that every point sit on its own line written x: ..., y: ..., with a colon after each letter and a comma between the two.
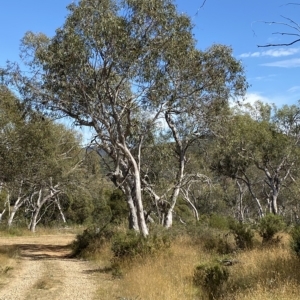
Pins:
x: 278, y: 45
x: 294, y: 25
x: 290, y: 3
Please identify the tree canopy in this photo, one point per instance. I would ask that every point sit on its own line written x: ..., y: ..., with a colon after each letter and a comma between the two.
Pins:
x: 129, y: 70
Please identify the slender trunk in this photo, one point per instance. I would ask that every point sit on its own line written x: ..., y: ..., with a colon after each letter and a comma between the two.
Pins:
x: 274, y: 206
x: 7, y: 203
x: 20, y: 201
x: 33, y: 221
x: 1, y: 214
x: 137, y: 192
x: 260, y: 209
x: 11, y: 217
x: 169, y: 217
x: 139, y: 204
x: 240, y: 202
x: 60, y: 211
x: 195, y: 211
x: 168, y: 222
x: 247, y: 182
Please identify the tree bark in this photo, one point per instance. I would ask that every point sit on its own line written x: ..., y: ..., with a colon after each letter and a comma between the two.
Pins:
x: 33, y: 221
x: 168, y: 222
x: 11, y: 217
x: 60, y: 210
x: 274, y: 205
x: 132, y: 216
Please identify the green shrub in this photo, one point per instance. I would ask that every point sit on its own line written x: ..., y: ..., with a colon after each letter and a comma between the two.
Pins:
x: 295, y: 241
x: 211, y: 277
x: 269, y: 226
x: 131, y: 245
x: 92, y: 240
x: 243, y: 235
x: 219, y: 244
x: 218, y: 222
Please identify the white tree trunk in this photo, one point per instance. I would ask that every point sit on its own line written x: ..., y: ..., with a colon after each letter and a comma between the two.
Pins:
x: 11, y: 217
x: 132, y: 218
x: 60, y: 210
x: 168, y: 222
x: 1, y: 214
x: 137, y: 192
x: 274, y: 205
x: 33, y: 221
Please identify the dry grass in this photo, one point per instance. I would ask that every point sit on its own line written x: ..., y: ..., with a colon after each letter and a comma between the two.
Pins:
x: 167, y: 276
x: 265, y: 273
x: 8, y: 261
x: 261, y: 274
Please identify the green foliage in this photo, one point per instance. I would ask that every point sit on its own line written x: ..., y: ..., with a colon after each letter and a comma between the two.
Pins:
x: 295, y: 240
x: 118, y: 206
x: 130, y: 245
x: 211, y: 277
x: 219, y: 243
x: 92, y: 240
x: 269, y: 226
x: 243, y: 234
x: 135, y: 50
x: 218, y: 222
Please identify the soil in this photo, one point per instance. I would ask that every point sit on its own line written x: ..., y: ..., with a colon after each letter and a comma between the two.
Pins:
x: 46, y: 271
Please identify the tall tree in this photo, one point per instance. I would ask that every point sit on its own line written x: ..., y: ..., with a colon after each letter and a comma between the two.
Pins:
x: 120, y: 67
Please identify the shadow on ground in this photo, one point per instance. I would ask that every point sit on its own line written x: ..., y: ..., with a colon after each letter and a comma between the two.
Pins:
x: 38, y: 251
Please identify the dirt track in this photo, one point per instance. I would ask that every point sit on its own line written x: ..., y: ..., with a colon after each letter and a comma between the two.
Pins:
x: 46, y: 272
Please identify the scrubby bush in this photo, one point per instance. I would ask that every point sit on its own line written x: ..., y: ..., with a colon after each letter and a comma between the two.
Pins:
x: 295, y: 240
x: 243, y: 235
x: 218, y: 222
x: 92, y: 239
x: 130, y: 245
x: 211, y: 277
x: 219, y: 243
x: 269, y: 226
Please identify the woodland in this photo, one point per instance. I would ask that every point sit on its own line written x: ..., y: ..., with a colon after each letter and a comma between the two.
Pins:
x: 174, y: 150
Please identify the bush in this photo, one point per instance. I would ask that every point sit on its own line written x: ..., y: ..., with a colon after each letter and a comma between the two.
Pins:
x: 91, y: 240
x: 269, y: 226
x: 243, y: 235
x: 295, y: 241
x: 212, y: 278
x: 220, y: 244
x: 131, y: 245
x: 218, y: 222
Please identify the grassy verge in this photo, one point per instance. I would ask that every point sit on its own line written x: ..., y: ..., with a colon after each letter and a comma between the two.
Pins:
x: 262, y: 272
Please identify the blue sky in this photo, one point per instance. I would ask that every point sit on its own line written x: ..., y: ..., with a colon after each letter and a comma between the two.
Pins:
x: 271, y: 72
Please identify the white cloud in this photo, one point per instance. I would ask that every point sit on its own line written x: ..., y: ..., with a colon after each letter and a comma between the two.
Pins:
x: 288, y: 63
x: 279, y: 52
x: 294, y: 89
x: 263, y: 78
x: 251, y: 98
x: 249, y: 54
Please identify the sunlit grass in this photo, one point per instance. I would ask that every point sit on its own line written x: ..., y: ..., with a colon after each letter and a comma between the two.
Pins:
x: 8, y: 262
x: 261, y: 273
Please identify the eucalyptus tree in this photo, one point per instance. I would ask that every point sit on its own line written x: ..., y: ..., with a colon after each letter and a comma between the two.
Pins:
x: 58, y: 172
x: 262, y: 153
x: 120, y: 67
